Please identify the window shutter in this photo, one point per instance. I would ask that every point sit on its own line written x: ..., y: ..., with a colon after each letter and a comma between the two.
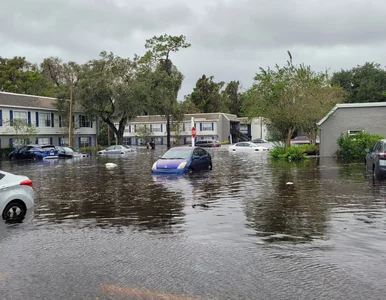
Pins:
x: 79, y: 142
x: 10, y: 142
x: 29, y: 118
x: 37, y: 119
x: 60, y: 121
x: 1, y: 117
x: 200, y: 126
x: 60, y: 141
x: 212, y: 126
x: 151, y: 128
x: 162, y: 140
x: 161, y: 128
x: 80, y: 121
x: 51, y: 140
x: 11, y: 117
x: 36, y: 141
x: 89, y: 142
x: 52, y: 119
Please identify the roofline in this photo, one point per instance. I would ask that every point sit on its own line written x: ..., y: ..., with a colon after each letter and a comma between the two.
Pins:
x: 350, y: 105
x: 27, y: 95
x: 32, y: 108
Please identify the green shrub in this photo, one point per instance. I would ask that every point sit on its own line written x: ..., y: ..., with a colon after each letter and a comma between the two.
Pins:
x: 224, y: 143
x: 353, y: 146
x: 4, y: 152
x: 293, y: 153
x: 309, y: 149
x: 91, y: 149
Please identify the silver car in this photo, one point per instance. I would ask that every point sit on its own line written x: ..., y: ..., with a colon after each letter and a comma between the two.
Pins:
x: 117, y: 149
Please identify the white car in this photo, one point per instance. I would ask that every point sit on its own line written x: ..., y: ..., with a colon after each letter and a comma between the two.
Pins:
x: 247, y: 147
x: 117, y: 149
x: 16, y: 197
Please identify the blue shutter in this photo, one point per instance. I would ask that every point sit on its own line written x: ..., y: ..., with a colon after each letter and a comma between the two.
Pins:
x: 89, y: 141
x: 200, y: 126
x: 29, y: 118
x: 195, y: 126
x: 60, y: 141
x: 52, y: 120
x: 212, y: 137
x: 184, y: 140
x: 151, y: 128
x: 1, y: 117
x: 161, y: 128
x: 135, y: 128
x: 10, y: 142
x: 80, y: 120
x: 129, y: 128
x: 11, y: 117
x: 136, y: 141
x: 162, y: 140
x: 60, y: 121
x: 212, y: 126
x: 36, y: 141
x: 0, y: 143
x: 91, y: 121
x: 37, y: 119
x: 79, y: 142
x: 73, y: 121
x: 51, y: 140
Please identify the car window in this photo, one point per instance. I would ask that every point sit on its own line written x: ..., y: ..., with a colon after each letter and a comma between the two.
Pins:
x: 110, y: 148
x: 239, y: 144
x: 48, y: 147
x: 202, y: 152
x: 196, y: 152
x: 177, y: 153
x: 377, y: 147
x: 1, y: 176
x: 68, y: 149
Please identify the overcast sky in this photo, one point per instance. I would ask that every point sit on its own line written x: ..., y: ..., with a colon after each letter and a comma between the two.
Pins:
x: 230, y: 39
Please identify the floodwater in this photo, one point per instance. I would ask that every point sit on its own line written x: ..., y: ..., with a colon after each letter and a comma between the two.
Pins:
x: 238, y: 232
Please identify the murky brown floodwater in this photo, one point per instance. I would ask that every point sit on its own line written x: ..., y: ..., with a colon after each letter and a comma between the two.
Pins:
x: 238, y: 232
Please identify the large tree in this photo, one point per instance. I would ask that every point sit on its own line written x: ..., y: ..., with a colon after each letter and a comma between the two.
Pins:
x: 365, y: 83
x: 65, y: 76
x: 233, y: 98
x: 17, y: 75
x: 291, y: 97
x: 207, y: 95
x: 166, y: 79
x: 112, y: 89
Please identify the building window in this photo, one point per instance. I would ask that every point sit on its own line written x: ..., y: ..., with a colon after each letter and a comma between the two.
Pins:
x: 43, y: 141
x: 45, y: 119
x: 20, y: 115
x: 84, y: 142
x: 64, y: 141
x: 156, y: 127
x: 244, y: 128
x: 206, y: 126
x: 126, y: 141
x: 84, y: 121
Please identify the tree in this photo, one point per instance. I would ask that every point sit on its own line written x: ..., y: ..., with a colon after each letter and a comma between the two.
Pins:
x: 291, y: 97
x: 187, y: 106
x: 143, y: 132
x: 22, y: 131
x: 112, y: 88
x: 167, y: 79
x: 17, y: 75
x: 233, y: 98
x: 365, y: 83
x: 207, y: 95
x: 65, y: 76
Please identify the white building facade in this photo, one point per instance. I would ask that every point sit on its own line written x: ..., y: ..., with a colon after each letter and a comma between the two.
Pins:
x: 19, y: 112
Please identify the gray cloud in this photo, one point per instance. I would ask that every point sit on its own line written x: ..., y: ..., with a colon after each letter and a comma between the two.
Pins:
x: 230, y: 39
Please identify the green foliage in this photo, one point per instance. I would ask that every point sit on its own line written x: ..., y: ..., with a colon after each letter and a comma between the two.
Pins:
x: 17, y: 75
x: 233, y: 99
x: 291, y: 97
x: 91, y: 149
x: 224, y: 143
x: 292, y: 153
x: 207, y: 95
x: 309, y: 149
x: 4, y: 152
x: 365, y: 83
x: 353, y: 146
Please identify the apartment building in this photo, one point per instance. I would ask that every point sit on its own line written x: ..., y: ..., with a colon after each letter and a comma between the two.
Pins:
x: 35, y: 119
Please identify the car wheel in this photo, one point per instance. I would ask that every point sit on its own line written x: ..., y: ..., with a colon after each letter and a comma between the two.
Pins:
x: 12, y: 158
x: 190, y: 171
x: 210, y: 167
x: 14, y: 212
x: 35, y: 158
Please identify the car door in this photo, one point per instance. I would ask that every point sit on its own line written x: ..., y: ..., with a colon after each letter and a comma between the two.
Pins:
x: 371, y: 157
x: 196, y: 161
x: 204, y: 159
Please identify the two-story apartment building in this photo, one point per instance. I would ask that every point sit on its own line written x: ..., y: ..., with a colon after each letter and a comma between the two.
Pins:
x: 254, y: 129
x: 35, y: 119
x: 213, y: 126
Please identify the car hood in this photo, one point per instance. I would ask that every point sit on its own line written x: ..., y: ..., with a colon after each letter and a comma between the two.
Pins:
x: 169, y: 163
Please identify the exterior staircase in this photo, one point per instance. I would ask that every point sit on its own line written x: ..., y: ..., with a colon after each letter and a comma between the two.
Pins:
x: 241, y: 136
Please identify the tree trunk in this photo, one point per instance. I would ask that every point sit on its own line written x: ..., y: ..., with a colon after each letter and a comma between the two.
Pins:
x: 290, y: 132
x: 168, y: 131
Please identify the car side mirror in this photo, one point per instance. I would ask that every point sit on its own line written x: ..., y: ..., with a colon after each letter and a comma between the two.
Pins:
x: 196, y: 157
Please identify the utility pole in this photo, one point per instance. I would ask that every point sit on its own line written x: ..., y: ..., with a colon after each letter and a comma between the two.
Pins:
x: 70, y: 125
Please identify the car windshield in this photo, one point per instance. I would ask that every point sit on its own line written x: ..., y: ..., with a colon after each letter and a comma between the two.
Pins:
x: 68, y: 149
x: 177, y: 154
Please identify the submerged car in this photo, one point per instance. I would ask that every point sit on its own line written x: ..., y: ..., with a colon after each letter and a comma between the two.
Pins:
x: 69, y: 152
x: 16, y: 196
x: 376, y: 159
x: 183, y: 160
x: 117, y: 149
x: 34, y: 152
x: 247, y: 147
x: 208, y: 143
